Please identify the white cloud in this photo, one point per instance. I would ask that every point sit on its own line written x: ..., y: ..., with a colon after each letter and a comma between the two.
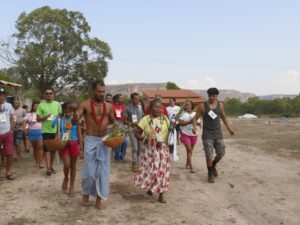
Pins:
x: 288, y: 83
x: 205, y: 83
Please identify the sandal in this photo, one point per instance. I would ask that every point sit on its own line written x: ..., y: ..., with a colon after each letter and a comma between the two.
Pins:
x: 10, y: 177
x: 53, y: 171
x: 135, y: 169
x: 49, y: 172
x: 150, y: 193
x: 162, y: 200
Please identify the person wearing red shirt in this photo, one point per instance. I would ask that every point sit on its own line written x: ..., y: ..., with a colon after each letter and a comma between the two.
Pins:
x: 119, y: 108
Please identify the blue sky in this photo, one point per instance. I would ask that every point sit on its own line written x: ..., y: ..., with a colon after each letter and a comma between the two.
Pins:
x: 251, y: 46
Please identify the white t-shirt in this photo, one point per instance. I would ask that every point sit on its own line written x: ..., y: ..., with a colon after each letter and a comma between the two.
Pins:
x: 6, y: 110
x: 187, y: 129
x: 172, y: 111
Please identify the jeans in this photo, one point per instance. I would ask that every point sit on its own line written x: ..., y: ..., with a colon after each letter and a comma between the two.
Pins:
x: 136, y: 148
x: 120, y: 151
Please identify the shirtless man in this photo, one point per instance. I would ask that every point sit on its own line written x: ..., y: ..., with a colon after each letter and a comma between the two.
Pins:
x: 98, y: 115
x: 212, y: 112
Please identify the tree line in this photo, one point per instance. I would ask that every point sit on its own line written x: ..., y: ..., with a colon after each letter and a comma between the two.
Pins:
x: 288, y: 107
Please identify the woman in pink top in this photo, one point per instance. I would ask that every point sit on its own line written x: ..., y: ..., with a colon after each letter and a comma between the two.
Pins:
x: 188, y: 138
x: 35, y: 135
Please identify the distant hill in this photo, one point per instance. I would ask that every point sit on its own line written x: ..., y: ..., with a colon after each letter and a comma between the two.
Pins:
x: 127, y: 89
x: 272, y: 97
x: 226, y: 94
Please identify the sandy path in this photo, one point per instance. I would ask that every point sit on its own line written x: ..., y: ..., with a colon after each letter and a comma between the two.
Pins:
x: 253, y: 188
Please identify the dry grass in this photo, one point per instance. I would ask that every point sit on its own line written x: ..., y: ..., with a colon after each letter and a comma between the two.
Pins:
x: 275, y: 136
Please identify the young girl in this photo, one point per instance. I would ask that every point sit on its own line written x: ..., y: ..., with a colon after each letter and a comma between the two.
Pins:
x: 188, y: 138
x: 71, y: 133
x: 35, y: 135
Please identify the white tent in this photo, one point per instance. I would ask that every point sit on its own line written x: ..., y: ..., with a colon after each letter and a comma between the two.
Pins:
x: 248, y: 116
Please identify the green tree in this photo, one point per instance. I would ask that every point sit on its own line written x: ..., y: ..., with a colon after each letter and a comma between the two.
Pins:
x: 4, y: 76
x: 233, y: 106
x: 295, y: 103
x: 53, y: 48
x: 172, y: 86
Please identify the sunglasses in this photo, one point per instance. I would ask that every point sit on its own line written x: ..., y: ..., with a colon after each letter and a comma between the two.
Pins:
x: 49, y: 93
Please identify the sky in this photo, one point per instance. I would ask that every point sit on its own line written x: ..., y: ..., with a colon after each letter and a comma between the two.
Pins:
x: 250, y: 46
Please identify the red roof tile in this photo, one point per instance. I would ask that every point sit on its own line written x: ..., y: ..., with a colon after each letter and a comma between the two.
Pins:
x: 180, y: 95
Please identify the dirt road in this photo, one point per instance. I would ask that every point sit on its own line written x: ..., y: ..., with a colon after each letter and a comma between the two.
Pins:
x: 254, y: 187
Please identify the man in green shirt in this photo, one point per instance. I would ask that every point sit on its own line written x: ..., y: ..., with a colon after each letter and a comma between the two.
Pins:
x: 47, y: 112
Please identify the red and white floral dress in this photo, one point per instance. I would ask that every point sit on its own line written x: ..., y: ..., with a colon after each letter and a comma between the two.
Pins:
x: 155, y: 160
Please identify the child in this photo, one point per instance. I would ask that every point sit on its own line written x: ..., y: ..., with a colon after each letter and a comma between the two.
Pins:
x: 35, y: 135
x: 71, y: 133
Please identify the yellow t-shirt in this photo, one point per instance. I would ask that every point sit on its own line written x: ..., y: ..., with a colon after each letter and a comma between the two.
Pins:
x: 144, y: 124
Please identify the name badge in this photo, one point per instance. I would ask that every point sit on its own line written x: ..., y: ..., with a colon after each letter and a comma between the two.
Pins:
x: 2, y: 118
x: 65, y: 136
x: 50, y: 117
x: 212, y: 114
x: 118, y: 113
x: 134, y: 118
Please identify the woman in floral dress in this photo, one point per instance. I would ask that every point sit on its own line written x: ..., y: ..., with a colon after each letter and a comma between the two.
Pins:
x: 155, y: 160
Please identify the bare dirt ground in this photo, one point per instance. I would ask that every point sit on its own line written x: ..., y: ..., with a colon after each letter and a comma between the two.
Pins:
x: 258, y: 184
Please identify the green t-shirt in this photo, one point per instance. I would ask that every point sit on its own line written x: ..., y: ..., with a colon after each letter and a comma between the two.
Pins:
x: 44, y: 109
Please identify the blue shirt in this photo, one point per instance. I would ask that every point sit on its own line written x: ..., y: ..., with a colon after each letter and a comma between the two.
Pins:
x: 73, y: 130
x: 7, y: 110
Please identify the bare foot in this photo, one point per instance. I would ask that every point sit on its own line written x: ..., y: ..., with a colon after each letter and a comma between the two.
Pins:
x: 71, y: 193
x: 192, y: 170
x: 85, y: 200
x: 161, y: 199
x: 99, y: 204
x: 64, y: 186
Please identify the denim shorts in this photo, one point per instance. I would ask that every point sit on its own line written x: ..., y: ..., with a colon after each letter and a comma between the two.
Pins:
x: 18, y: 137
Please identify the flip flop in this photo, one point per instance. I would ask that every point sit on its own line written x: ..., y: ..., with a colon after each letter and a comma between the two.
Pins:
x: 53, y: 171
x: 48, y: 173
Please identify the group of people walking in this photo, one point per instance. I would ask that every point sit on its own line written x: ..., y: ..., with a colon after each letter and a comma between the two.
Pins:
x: 151, y: 151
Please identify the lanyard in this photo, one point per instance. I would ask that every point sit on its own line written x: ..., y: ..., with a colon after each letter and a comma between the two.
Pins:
x: 2, y: 109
